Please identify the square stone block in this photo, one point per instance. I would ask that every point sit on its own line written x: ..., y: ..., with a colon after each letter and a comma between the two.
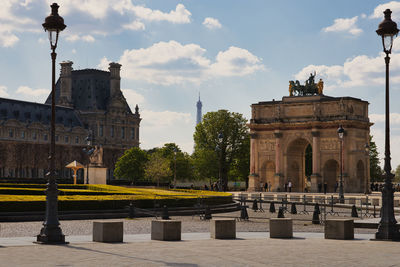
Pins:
x: 339, y: 229
x: 108, y: 232
x: 280, y: 228
x: 223, y: 228
x: 166, y: 230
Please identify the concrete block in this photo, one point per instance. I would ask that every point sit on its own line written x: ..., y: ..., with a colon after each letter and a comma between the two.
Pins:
x: 280, y: 228
x: 166, y: 230
x: 108, y: 232
x: 223, y: 228
x: 339, y: 229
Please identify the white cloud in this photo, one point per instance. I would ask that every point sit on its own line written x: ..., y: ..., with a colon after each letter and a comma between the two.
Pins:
x: 8, y: 39
x: 77, y: 37
x: 394, y: 6
x: 173, y: 126
x: 344, y: 25
x: 73, y: 51
x: 170, y: 63
x: 134, y: 26
x: 180, y: 15
x: 27, y: 91
x: 104, y: 64
x: 3, y: 91
x: 380, y: 118
x: 212, y: 23
x: 133, y: 98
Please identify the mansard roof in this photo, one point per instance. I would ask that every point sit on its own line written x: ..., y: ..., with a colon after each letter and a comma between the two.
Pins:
x: 29, y: 112
x: 90, y: 90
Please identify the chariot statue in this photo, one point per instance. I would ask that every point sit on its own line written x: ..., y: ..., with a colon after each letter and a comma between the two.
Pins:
x: 309, y: 88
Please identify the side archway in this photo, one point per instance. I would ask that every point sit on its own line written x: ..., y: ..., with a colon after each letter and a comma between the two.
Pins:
x: 268, y: 173
x: 296, y: 163
x: 330, y: 174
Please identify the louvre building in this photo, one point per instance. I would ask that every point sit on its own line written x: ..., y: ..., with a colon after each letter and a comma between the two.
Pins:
x: 87, y: 101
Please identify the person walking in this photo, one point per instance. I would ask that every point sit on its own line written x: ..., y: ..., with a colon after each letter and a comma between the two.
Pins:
x: 286, y: 186
x: 319, y: 187
x: 266, y: 187
x: 290, y: 186
x: 336, y: 186
x: 325, y: 187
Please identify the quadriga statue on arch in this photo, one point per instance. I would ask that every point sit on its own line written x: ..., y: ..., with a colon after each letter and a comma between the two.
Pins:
x: 309, y: 88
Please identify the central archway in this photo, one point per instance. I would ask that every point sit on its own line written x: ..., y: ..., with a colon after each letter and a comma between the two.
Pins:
x: 299, y: 164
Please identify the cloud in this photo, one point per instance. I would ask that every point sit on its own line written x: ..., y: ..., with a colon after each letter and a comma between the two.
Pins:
x: 3, y: 91
x: 134, y: 26
x: 104, y: 64
x: 133, y: 98
x: 8, y: 39
x: 394, y: 6
x: 344, y: 25
x: 25, y: 90
x: 179, y: 16
x: 212, y: 23
x: 77, y: 37
x: 170, y: 63
x: 380, y: 118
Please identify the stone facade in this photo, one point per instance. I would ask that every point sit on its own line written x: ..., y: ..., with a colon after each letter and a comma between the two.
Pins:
x: 87, y: 101
x: 282, y: 130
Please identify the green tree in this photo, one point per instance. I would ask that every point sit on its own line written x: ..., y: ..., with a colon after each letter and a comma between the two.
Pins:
x: 240, y: 168
x: 232, y: 127
x: 397, y: 174
x: 131, y: 165
x: 157, y: 168
x: 375, y: 168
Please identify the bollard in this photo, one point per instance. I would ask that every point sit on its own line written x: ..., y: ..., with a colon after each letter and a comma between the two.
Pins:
x: 243, y: 213
x: 315, y: 216
x: 165, y: 215
x: 354, y: 211
x: 207, y: 213
x: 280, y: 213
x: 272, y: 207
x: 255, y: 206
x: 293, y: 209
x: 131, y: 211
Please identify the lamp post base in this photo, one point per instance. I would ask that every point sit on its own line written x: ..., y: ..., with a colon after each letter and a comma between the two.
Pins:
x: 50, y: 235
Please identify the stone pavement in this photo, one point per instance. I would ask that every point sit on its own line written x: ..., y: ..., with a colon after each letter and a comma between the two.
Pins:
x: 197, y: 249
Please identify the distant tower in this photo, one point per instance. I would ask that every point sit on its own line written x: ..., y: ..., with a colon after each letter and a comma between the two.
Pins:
x: 199, y: 105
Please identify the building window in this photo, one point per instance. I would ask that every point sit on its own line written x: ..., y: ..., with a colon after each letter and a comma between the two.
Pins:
x: 56, y: 138
x: 123, y: 133
x: 101, y: 130
x: 112, y: 131
x: 66, y: 139
x: 45, y: 137
x: 132, y: 133
x: 11, y: 133
x: 76, y: 140
x: 137, y: 133
x: 22, y: 134
x: 34, y: 136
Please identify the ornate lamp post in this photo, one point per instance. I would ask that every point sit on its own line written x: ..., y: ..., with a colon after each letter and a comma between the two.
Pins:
x: 340, y: 132
x: 175, y: 167
x: 51, y: 232
x: 219, y: 147
x: 367, y: 187
x: 387, y: 229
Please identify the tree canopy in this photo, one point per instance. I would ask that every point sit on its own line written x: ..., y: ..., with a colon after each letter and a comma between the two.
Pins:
x: 375, y: 169
x: 131, y: 165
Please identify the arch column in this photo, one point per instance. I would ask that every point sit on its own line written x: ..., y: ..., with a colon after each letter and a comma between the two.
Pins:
x: 254, y: 178
x: 316, y: 160
x: 278, y: 178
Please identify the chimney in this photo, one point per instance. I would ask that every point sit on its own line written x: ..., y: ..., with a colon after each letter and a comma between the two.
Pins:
x: 65, y: 84
x: 115, y: 79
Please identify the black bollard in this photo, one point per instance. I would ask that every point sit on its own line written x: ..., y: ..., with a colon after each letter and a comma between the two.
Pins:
x: 165, y: 215
x: 255, y: 205
x: 243, y: 213
x: 207, y: 213
x: 315, y: 216
x: 272, y: 207
x: 131, y: 211
x: 280, y: 213
x: 293, y: 210
x: 354, y: 211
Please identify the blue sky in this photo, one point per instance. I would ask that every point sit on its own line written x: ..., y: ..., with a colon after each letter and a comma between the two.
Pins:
x: 233, y: 52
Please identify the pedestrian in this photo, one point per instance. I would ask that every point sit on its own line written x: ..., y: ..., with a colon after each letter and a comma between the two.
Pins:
x: 325, y: 187
x: 290, y: 186
x: 319, y: 187
x: 286, y: 185
x: 269, y: 187
x: 336, y: 186
x: 266, y: 187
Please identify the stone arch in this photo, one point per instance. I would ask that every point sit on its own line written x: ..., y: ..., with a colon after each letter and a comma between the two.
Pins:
x: 331, y: 172
x: 295, y: 159
x: 267, y: 173
x: 360, y: 174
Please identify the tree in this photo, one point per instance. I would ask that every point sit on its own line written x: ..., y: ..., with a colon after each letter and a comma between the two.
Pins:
x: 131, y: 165
x: 157, y: 168
x: 233, y: 128
x: 397, y: 174
x: 179, y: 160
x: 240, y: 168
x: 375, y: 169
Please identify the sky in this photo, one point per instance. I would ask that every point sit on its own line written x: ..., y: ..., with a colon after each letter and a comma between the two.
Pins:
x: 233, y: 52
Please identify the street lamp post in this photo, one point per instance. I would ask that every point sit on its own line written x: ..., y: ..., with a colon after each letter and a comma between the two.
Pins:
x: 219, y: 147
x: 175, y: 167
x: 51, y: 232
x: 340, y: 132
x: 89, y: 151
x: 367, y: 187
x: 387, y: 229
